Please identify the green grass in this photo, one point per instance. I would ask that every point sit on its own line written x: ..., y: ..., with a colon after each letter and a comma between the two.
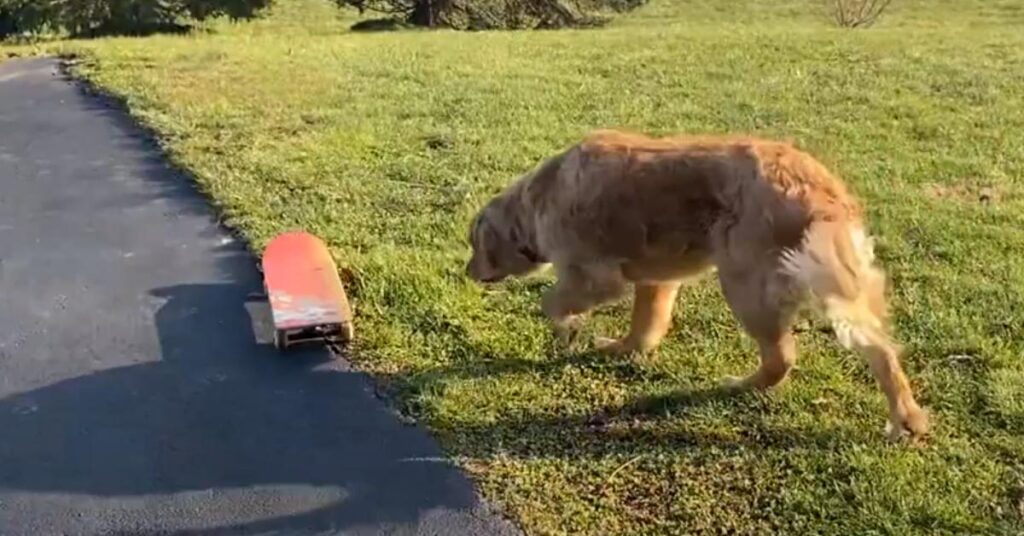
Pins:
x: 385, y: 145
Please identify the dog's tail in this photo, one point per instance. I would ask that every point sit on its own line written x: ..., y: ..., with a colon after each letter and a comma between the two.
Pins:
x: 835, y: 263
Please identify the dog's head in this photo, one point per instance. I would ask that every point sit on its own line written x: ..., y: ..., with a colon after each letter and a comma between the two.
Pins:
x: 500, y: 246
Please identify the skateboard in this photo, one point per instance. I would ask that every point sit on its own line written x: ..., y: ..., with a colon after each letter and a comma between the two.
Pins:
x: 307, y: 299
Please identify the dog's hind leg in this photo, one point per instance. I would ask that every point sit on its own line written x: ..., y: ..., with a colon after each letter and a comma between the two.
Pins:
x: 836, y: 264
x: 652, y: 318
x: 905, y: 415
x: 766, y: 312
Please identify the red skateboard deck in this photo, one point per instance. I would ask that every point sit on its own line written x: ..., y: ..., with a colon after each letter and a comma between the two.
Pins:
x: 307, y: 299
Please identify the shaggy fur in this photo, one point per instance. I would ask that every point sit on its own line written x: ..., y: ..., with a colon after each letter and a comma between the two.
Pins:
x: 621, y: 209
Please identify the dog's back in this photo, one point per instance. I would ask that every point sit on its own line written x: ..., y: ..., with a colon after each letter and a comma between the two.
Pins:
x: 628, y: 196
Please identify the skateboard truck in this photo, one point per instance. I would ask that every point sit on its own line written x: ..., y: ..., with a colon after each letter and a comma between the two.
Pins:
x: 307, y: 300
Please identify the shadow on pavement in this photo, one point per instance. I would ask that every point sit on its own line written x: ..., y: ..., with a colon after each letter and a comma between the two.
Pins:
x: 221, y: 411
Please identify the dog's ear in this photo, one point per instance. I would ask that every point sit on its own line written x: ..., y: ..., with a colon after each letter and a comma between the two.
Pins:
x: 489, y: 240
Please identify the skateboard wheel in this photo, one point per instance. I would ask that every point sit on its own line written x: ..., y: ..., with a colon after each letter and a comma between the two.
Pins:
x: 280, y: 340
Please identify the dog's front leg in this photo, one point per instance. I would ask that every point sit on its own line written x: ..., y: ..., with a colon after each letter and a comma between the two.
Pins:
x: 557, y: 307
x: 652, y: 318
x: 576, y: 291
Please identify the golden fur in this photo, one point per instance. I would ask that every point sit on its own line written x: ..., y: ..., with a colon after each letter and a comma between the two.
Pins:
x: 620, y: 209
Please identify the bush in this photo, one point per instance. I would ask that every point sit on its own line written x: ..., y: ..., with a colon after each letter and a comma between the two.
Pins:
x: 89, y: 18
x: 856, y: 13
x: 495, y: 14
x: 21, y: 16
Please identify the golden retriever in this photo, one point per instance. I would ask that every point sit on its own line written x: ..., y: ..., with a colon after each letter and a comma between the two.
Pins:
x: 621, y: 208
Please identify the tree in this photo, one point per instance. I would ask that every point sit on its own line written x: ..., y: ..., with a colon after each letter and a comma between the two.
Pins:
x: 89, y: 18
x: 494, y: 14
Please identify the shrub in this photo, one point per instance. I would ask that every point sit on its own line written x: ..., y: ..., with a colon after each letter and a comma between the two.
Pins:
x: 495, y: 14
x: 89, y: 18
x: 21, y: 16
x: 857, y: 13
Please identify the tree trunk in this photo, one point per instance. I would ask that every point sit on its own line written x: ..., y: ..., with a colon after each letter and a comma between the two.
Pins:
x: 423, y: 13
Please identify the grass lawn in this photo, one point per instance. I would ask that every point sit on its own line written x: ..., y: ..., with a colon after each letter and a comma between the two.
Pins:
x: 385, y: 144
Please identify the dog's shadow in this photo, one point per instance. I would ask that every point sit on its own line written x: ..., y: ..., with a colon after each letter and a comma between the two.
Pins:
x: 638, y: 424
x: 645, y: 425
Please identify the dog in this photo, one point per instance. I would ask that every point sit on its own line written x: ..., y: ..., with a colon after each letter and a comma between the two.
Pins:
x: 620, y: 209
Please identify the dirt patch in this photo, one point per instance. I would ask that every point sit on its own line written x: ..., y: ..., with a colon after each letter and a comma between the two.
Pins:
x: 969, y: 192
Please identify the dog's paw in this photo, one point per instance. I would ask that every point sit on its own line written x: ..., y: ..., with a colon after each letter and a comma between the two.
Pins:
x: 568, y: 327
x: 913, y: 424
x: 607, y: 345
x: 735, y: 383
x: 566, y: 331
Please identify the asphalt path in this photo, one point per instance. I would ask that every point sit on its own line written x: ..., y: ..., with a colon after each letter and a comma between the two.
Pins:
x: 139, y: 391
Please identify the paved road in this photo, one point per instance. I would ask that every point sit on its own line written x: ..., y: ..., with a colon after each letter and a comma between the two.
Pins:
x: 138, y: 394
